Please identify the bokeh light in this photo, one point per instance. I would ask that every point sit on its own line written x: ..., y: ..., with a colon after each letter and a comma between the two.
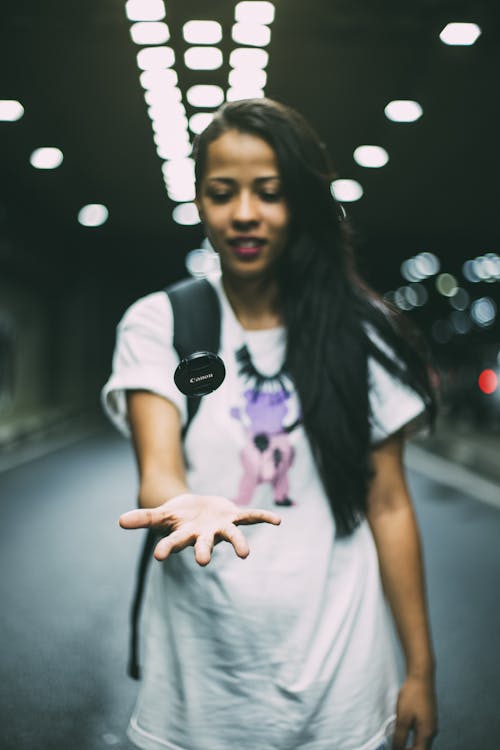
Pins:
x: 488, y: 381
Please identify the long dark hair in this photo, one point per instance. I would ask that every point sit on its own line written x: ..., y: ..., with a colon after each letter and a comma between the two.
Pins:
x: 334, y: 320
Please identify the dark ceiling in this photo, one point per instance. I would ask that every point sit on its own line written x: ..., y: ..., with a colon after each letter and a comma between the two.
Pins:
x: 73, y: 67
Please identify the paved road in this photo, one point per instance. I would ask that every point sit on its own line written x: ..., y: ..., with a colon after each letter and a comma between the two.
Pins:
x: 65, y: 586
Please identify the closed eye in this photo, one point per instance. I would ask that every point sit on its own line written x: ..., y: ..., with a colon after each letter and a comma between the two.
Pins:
x: 219, y: 197
x: 271, y: 197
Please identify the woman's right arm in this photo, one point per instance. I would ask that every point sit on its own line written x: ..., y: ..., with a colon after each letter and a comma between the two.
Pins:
x: 156, y: 434
x: 166, y: 504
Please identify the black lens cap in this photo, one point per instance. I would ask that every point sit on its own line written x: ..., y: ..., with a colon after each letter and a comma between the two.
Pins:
x: 199, y: 374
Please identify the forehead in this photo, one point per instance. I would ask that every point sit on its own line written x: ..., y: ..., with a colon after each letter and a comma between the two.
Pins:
x: 235, y: 153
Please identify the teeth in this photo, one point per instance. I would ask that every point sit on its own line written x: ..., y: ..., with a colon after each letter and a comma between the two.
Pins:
x: 246, y: 243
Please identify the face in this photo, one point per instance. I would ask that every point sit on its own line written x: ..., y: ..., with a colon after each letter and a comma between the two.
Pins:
x: 241, y: 204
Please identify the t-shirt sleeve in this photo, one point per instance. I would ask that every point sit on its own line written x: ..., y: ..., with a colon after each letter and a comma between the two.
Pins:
x: 394, y: 406
x: 144, y: 358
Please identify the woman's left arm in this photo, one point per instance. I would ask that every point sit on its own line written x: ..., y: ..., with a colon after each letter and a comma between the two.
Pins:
x: 394, y: 527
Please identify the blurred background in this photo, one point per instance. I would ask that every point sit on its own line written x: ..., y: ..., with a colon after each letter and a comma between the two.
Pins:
x: 99, y: 103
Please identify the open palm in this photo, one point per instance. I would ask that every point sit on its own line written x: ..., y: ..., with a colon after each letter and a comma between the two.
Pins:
x: 199, y: 520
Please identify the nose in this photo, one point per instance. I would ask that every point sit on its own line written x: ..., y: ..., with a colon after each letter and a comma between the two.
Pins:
x: 245, y: 209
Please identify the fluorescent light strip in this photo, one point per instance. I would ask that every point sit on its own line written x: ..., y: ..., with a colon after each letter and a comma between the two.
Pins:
x: 202, y: 32
x: 149, y: 32
x: 247, y: 79
x: 254, y: 12
x: 164, y: 99
x: 145, y: 10
x: 203, y: 58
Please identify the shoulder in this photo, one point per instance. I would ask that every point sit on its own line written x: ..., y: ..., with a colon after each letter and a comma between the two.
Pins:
x: 150, y: 315
x: 152, y: 311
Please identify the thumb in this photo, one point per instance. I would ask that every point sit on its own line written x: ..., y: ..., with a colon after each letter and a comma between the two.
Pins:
x: 136, y: 519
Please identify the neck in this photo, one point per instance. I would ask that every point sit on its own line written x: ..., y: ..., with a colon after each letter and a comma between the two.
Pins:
x: 255, y: 302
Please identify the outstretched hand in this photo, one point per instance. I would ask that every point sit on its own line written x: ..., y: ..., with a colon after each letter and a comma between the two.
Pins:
x: 199, y: 520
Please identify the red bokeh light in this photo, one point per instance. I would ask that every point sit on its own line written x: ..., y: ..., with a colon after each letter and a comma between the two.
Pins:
x: 488, y: 381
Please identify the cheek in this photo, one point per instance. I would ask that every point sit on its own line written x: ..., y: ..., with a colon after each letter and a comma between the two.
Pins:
x: 281, y: 223
x: 213, y: 220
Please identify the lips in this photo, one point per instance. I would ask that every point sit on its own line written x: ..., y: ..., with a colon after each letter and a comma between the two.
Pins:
x: 246, y: 247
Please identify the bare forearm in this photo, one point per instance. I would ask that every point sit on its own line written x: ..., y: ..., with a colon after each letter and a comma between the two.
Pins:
x: 157, y: 489
x: 399, y: 551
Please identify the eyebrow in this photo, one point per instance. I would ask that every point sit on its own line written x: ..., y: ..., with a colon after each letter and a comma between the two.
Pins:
x: 231, y: 181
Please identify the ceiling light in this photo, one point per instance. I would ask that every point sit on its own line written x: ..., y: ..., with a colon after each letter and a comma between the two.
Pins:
x: 162, y: 79
x: 10, y: 110
x: 243, y: 92
x: 410, y: 295
x: 165, y: 130
x: 427, y: 264
x: 248, y: 58
x: 446, y: 284
x: 167, y: 137
x: 243, y: 77
x: 461, y: 322
x: 46, y: 158
x: 253, y: 34
x: 145, y: 10
x: 93, y: 215
x: 199, y: 121
x: 371, y: 156
x: 400, y: 300
x: 469, y: 271
x: 179, y: 172
x: 181, y: 193
x: 460, y: 299
x: 479, y: 268
x: 463, y: 34
x: 186, y: 214
x: 170, y: 127
x: 483, y: 311
x: 174, y: 150
x: 410, y: 272
x: 155, y: 58
x: 420, y: 293
x: 149, y: 33
x: 202, y: 32
x: 346, y: 190
x: 403, y: 110
x: 205, y: 96
x: 203, y: 58
x: 254, y: 12
x: 163, y: 96
x: 202, y: 262
x: 486, y: 267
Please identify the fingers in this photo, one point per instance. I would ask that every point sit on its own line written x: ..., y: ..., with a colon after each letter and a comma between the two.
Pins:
x: 424, y: 737
x: 203, y: 549
x: 400, y: 734
x: 174, y: 542
x: 257, y: 515
x: 233, y: 535
x: 179, y: 540
x: 141, y: 518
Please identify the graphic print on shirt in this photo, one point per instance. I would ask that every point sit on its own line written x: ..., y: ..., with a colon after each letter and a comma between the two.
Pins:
x: 268, y: 453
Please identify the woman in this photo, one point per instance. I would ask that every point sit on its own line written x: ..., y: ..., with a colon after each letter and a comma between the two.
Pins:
x: 290, y: 647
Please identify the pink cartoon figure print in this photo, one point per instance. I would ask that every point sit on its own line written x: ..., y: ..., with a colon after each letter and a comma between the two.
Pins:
x: 268, y: 453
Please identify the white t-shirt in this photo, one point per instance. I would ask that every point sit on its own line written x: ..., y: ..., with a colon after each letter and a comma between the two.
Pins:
x: 291, y: 648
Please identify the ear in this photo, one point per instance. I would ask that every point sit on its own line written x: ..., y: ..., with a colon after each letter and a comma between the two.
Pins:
x: 198, y: 206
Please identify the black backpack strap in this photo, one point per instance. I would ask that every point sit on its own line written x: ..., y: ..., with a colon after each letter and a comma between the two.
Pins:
x: 197, y: 322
